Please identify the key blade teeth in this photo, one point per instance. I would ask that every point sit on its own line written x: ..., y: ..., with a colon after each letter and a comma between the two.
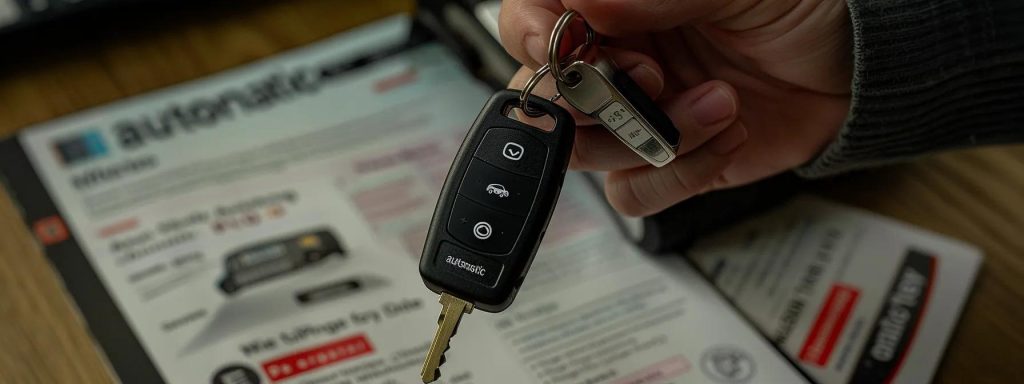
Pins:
x: 432, y: 377
x: 452, y: 309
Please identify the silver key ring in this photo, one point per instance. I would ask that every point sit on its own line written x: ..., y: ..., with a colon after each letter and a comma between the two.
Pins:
x: 528, y: 88
x: 554, y: 65
x: 555, y: 62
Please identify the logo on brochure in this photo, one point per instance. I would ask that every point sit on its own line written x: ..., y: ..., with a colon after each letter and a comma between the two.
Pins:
x: 727, y: 364
x: 80, y: 148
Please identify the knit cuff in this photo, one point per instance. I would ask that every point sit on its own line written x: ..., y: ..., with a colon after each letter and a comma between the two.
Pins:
x: 929, y: 75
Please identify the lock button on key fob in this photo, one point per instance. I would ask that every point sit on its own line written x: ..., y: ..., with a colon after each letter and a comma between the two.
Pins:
x: 513, y: 150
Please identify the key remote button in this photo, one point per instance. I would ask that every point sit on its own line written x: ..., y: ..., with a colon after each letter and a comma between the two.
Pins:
x: 614, y: 115
x: 646, y: 107
x: 483, y: 229
x: 513, y: 150
x: 499, y: 189
x: 653, y: 149
x: 633, y: 133
x: 464, y: 263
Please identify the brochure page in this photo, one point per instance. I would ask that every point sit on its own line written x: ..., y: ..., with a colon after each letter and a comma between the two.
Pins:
x: 264, y: 226
x: 852, y: 296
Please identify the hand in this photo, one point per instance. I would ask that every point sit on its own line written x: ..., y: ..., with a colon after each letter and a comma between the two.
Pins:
x: 755, y: 87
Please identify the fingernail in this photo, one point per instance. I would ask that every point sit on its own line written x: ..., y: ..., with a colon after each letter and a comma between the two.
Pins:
x: 640, y: 71
x: 712, y: 107
x: 728, y: 141
x: 536, y: 47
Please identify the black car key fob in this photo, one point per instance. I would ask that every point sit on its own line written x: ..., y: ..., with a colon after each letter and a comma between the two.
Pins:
x: 496, y: 202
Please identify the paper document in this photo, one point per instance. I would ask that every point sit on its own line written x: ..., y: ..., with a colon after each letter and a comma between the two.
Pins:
x: 264, y: 225
x: 854, y: 297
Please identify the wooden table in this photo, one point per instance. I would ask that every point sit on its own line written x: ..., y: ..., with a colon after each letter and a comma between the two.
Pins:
x: 976, y: 195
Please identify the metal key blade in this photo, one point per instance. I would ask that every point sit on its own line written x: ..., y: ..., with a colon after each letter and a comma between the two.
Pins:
x: 452, y: 309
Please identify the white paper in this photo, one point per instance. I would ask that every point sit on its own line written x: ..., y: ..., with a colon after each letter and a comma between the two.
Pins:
x: 180, y: 224
x: 854, y: 297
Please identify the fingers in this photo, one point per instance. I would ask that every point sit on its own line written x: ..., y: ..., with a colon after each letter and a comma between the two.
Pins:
x: 699, y: 114
x: 678, y: 59
x: 597, y: 149
x: 624, y: 17
x: 702, y: 112
x: 648, y: 190
x: 524, y: 27
x: 641, y: 68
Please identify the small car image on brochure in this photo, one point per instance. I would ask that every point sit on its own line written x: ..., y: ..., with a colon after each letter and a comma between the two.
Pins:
x: 278, y: 257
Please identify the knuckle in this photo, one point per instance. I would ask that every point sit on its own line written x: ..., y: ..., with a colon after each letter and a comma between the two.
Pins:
x: 681, y: 184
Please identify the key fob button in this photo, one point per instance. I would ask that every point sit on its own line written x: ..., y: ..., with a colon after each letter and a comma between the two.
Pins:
x: 614, y: 115
x: 633, y: 133
x: 646, y: 107
x: 498, y: 189
x: 513, y: 150
x: 653, y: 149
x: 466, y: 264
x: 483, y: 229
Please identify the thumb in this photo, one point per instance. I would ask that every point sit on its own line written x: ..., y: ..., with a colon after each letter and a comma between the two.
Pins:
x: 624, y: 17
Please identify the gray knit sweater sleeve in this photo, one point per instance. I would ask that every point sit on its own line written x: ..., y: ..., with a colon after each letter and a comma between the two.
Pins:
x: 929, y: 75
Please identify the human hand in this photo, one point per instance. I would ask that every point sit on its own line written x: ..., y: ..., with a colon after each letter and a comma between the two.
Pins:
x: 755, y: 87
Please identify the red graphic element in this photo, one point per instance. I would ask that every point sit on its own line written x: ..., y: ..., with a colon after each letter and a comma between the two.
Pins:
x: 829, y: 324
x: 50, y: 230
x: 913, y: 331
x: 304, y: 361
x: 119, y: 227
x: 398, y: 80
x: 658, y: 372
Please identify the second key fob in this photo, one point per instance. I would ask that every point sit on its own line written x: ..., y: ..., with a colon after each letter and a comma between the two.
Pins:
x: 496, y: 203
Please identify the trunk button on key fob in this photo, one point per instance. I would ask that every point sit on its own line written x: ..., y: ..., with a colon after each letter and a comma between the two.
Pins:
x: 499, y: 189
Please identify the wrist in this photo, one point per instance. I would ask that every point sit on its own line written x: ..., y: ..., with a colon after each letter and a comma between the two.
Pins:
x: 927, y: 76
